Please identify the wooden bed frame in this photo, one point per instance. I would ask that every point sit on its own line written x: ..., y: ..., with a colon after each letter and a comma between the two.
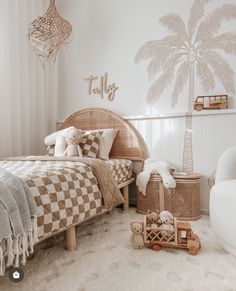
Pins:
x: 128, y: 144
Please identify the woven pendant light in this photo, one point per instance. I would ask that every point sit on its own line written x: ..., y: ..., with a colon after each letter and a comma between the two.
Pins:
x: 48, y: 32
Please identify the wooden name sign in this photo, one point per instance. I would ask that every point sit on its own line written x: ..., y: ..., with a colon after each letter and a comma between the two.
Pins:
x: 102, y: 88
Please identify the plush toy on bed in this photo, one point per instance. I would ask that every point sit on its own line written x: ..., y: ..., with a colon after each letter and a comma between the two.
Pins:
x: 73, y: 136
x: 137, y: 235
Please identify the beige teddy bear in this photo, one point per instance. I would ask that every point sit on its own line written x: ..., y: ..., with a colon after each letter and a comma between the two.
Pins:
x: 167, y: 222
x: 152, y: 218
x: 137, y: 235
x: 73, y: 136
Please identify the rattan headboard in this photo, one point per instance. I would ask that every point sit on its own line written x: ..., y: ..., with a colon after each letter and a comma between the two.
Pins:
x: 128, y: 143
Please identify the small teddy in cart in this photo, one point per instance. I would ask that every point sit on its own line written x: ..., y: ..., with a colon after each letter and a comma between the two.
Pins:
x: 167, y: 231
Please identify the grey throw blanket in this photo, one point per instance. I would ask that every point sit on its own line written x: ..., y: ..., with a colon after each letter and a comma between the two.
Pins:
x: 18, y: 220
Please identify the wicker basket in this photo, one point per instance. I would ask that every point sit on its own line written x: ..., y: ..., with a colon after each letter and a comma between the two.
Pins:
x: 183, y: 201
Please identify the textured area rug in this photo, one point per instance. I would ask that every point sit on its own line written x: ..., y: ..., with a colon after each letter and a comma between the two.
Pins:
x: 106, y: 261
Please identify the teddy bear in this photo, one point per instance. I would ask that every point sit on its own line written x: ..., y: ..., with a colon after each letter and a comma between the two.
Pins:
x: 152, y: 218
x: 137, y: 235
x: 167, y: 222
x: 73, y: 136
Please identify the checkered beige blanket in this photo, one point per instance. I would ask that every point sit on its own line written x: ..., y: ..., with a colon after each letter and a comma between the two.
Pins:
x: 66, y: 190
x: 122, y: 170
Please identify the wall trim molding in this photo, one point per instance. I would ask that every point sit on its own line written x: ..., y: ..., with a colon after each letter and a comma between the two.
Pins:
x: 174, y: 115
x: 180, y: 114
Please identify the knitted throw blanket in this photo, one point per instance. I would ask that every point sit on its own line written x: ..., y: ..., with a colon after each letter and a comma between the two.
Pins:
x: 18, y: 220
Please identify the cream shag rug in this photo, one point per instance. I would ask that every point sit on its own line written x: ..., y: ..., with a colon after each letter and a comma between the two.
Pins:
x: 106, y: 261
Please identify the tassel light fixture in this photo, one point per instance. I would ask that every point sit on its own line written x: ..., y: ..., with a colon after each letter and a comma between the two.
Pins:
x: 48, y: 32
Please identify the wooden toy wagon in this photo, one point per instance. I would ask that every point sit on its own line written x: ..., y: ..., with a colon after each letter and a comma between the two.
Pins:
x: 181, y: 236
x: 211, y: 102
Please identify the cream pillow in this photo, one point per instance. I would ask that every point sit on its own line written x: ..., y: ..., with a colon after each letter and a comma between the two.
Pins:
x: 106, y: 137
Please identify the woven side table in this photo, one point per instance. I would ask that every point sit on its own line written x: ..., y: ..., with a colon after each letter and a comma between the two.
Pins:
x: 183, y: 201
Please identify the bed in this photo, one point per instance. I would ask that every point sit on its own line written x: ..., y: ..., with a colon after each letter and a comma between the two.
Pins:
x: 67, y: 191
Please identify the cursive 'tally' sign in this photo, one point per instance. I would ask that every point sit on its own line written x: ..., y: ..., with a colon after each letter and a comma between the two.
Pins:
x: 101, y: 87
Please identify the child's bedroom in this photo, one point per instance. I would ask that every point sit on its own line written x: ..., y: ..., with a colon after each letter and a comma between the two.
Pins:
x: 118, y: 145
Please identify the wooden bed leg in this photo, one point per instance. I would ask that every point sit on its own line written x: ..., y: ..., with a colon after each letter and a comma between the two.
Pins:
x: 71, y: 243
x: 126, y: 197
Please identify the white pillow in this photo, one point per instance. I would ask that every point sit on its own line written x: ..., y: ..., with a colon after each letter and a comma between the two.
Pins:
x: 106, y: 141
x: 60, y: 146
x: 51, y: 139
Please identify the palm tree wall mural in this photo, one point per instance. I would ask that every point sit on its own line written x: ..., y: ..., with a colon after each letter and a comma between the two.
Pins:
x: 191, y: 52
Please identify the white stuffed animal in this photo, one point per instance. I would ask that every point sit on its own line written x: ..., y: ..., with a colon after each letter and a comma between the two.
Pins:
x: 60, y: 146
x: 51, y: 139
x: 58, y: 139
x: 167, y: 221
x: 162, y: 168
x: 73, y: 137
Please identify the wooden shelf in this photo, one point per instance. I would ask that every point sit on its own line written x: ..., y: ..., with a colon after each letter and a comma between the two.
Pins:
x: 180, y: 114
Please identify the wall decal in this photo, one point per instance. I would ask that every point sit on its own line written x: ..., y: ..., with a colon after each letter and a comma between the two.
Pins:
x: 188, y: 52
x: 102, y: 87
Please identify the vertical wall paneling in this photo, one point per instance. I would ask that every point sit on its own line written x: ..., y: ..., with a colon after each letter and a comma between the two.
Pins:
x: 212, y: 135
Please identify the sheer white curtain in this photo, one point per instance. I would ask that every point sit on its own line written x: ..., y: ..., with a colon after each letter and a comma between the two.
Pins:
x: 28, y: 97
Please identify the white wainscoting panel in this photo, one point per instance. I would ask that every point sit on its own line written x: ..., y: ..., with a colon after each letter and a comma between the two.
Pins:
x: 212, y: 135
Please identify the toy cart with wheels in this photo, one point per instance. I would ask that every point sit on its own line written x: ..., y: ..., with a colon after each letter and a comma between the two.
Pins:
x: 181, y: 237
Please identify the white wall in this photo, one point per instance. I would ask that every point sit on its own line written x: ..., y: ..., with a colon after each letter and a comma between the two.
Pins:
x: 106, y: 36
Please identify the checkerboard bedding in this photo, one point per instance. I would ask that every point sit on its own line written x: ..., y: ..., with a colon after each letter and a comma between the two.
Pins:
x: 121, y: 169
x: 65, y: 192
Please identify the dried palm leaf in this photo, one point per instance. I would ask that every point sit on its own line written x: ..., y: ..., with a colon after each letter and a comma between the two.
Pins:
x: 48, y: 32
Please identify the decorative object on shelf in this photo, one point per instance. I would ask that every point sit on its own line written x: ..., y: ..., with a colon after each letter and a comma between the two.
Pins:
x: 170, y: 233
x: 103, y: 88
x: 183, y: 201
x: 192, y: 50
x: 48, y: 33
x: 211, y: 102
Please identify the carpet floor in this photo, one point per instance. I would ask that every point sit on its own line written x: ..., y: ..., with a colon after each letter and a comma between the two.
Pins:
x: 105, y: 261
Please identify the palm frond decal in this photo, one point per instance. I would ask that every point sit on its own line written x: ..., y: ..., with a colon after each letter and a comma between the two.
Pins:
x: 181, y: 80
x: 196, y: 14
x: 187, y: 51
